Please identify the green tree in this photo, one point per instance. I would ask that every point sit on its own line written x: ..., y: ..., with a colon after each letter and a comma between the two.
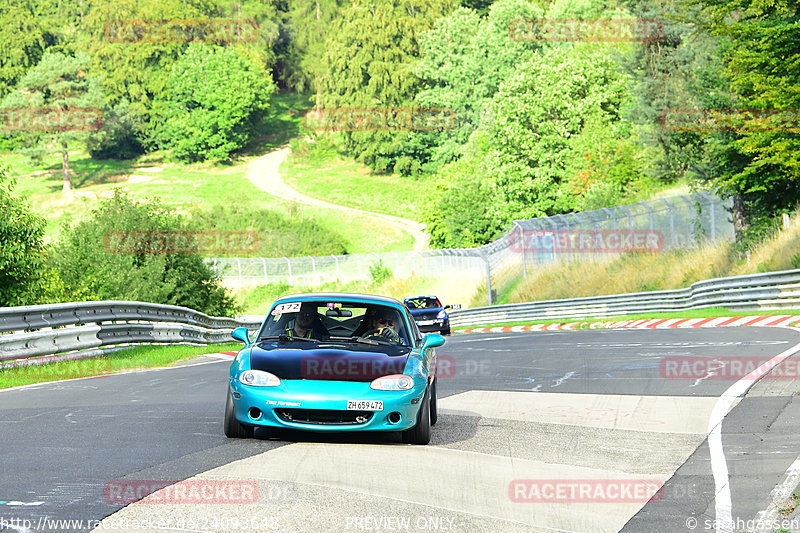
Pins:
x: 759, y: 162
x: 101, y: 258
x: 306, y: 26
x: 369, y: 63
x: 22, y: 251
x: 22, y: 42
x: 536, y: 112
x: 213, y: 102
x: 464, y: 59
x: 69, y: 101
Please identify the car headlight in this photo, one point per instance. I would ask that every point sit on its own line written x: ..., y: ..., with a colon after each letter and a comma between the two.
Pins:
x: 259, y: 378
x: 441, y: 315
x: 393, y: 382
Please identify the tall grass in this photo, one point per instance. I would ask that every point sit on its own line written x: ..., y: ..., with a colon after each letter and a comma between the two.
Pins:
x: 640, y: 272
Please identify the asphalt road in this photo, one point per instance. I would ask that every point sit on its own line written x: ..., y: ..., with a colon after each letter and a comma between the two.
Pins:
x: 518, y: 411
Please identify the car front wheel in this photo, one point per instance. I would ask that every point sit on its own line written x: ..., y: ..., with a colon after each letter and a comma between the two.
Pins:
x: 421, y: 433
x: 233, y: 428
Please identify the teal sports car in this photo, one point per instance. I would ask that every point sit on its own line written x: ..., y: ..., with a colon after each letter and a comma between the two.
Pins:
x: 332, y: 362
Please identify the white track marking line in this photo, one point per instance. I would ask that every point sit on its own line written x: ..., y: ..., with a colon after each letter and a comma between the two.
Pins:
x: 719, y: 466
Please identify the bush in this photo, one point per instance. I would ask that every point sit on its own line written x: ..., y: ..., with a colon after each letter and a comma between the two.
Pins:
x: 215, y: 100
x: 22, y: 252
x: 94, y: 261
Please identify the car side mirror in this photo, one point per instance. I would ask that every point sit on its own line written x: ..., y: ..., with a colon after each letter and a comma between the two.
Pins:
x: 432, y: 340
x: 447, y: 307
x: 241, y: 334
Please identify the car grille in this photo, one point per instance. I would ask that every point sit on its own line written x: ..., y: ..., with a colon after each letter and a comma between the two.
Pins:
x: 324, y: 417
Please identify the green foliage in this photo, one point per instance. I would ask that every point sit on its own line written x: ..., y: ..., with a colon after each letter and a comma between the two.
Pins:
x: 277, y: 234
x: 93, y: 260
x: 379, y: 272
x: 369, y: 63
x: 213, y: 102
x: 464, y: 59
x: 307, y: 25
x: 22, y: 42
x: 758, y: 162
x: 22, y: 251
x: 536, y: 112
x: 458, y: 215
x: 59, y: 83
x: 116, y: 139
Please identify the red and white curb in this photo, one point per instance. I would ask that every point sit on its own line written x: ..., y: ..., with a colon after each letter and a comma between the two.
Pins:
x: 226, y: 356
x: 658, y: 323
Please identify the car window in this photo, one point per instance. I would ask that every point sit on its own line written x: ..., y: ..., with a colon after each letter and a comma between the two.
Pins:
x: 339, y: 319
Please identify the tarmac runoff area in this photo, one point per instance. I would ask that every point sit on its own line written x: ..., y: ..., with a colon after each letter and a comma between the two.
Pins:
x: 498, y: 461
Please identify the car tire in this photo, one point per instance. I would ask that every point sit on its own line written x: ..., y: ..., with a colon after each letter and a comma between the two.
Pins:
x: 446, y: 331
x: 434, y: 411
x: 233, y: 428
x: 420, y: 433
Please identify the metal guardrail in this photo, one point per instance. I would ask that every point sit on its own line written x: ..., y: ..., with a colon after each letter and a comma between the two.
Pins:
x: 771, y: 290
x: 45, y: 333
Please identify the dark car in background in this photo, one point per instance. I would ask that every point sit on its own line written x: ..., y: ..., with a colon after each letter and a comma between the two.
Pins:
x: 429, y: 313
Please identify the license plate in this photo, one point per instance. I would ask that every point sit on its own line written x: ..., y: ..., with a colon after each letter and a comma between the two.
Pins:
x: 425, y: 322
x: 364, y: 405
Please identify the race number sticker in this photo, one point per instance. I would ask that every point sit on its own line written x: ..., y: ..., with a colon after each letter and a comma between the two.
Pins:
x: 291, y: 307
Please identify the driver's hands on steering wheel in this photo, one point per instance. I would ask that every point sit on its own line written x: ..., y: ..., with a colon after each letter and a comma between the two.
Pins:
x: 385, y: 332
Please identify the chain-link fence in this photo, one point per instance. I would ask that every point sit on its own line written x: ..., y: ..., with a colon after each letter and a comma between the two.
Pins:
x: 654, y: 226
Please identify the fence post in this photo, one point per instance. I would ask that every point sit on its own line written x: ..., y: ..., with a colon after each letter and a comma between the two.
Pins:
x: 671, y: 223
x: 337, y: 266
x: 289, y: 263
x: 488, y: 278
x: 264, y: 262
x: 713, y: 221
x: 522, y: 250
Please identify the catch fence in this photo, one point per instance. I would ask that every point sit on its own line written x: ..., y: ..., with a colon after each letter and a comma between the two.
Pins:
x: 654, y: 226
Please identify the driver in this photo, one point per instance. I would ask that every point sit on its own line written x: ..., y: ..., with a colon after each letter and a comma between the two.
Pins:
x: 304, y: 323
x: 383, y: 324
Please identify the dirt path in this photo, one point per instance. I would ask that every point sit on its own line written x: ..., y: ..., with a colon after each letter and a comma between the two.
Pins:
x: 263, y: 173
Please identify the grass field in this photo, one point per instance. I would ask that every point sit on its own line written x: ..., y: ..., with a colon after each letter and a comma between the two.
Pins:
x: 188, y: 187
x: 140, y: 357
x: 318, y: 170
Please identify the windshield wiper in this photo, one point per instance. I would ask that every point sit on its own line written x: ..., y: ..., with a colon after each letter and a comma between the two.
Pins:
x: 364, y: 340
x: 285, y: 338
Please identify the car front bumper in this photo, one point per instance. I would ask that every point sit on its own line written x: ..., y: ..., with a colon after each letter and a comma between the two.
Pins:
x: 324, y: 400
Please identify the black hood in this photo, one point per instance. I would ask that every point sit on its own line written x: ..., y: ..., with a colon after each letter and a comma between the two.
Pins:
x: 302, y: 360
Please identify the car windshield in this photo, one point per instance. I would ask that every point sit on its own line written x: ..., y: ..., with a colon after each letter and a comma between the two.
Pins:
x: 423, y: 302
x: 338, y: 321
